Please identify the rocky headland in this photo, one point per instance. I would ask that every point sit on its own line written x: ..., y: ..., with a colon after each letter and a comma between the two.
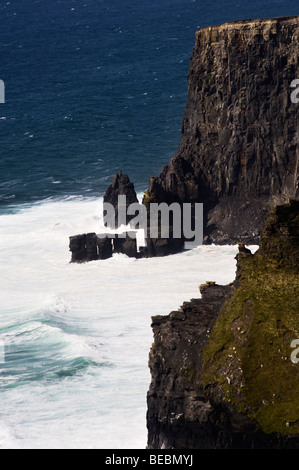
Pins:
x: 221, y: 368
x: 239, y: 146
x: 238, y: 154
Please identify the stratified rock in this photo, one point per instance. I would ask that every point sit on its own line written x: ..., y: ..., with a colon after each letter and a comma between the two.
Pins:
x: 221, y: 368
x: 120, y: 186
x: 239, y: 147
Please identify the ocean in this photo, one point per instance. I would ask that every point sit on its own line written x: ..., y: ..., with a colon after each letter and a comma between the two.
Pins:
x: 91, y: 87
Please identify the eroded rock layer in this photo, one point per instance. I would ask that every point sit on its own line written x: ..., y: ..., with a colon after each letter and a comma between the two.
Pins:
x: 239, y: 147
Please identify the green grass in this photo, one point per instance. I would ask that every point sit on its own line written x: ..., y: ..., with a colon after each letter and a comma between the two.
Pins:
x: 247, y: 359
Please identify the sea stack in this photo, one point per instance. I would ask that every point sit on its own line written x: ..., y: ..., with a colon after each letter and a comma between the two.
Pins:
x: 120, y: 186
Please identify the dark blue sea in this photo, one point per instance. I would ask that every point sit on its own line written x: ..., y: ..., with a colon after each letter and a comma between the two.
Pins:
x: 91, y: 87
x: 94, y: 86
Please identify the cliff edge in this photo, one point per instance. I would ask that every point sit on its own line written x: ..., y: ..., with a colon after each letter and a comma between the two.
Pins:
x: 239, y: 147
x: 221, y: 368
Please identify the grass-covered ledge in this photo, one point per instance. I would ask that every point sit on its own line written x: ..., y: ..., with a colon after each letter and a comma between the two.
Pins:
x: 247, y: 358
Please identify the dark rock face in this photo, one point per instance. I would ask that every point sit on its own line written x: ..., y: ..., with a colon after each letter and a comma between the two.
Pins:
x: 160, y: 246
x: 157, y: 247
x: 120, y: 186
x: 239, y: 147
x: 179, y: 415
x: 280, y: 237
x: 126, y: 245
x: 221, y: 378
x: 89, y: 247
x: 83, y: 248
x: 77, y: 247
x: 104, y: 247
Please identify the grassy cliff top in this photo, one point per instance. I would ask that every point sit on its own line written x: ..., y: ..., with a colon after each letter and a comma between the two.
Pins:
x: 247, y: 361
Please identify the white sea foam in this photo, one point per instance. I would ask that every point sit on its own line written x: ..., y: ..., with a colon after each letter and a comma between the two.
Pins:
x: 77, y: 337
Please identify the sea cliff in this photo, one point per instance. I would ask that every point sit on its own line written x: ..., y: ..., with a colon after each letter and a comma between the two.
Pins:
x: 239, y: 146
x: 221, y: 368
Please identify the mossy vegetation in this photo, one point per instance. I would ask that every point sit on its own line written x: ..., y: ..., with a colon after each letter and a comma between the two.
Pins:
x: 148, y: 198
x: 247, y: 358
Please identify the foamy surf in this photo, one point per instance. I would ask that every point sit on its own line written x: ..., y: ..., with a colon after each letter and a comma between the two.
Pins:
x: 77, y: 337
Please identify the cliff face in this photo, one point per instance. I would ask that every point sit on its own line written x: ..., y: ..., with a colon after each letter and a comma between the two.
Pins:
x: 222, y: 375
x: 239, y: 147
x: 179, y: 414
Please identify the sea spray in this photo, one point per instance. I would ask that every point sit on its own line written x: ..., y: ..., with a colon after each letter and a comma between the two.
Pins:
x: 78, y: 336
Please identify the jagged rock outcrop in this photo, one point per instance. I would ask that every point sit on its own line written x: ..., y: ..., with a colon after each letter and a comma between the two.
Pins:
x: 155, y: 246
x: 91, y: 246
x: 222, y: 376
x: 120, y: 186
x: 239, y: 147
x: 280, y: 237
